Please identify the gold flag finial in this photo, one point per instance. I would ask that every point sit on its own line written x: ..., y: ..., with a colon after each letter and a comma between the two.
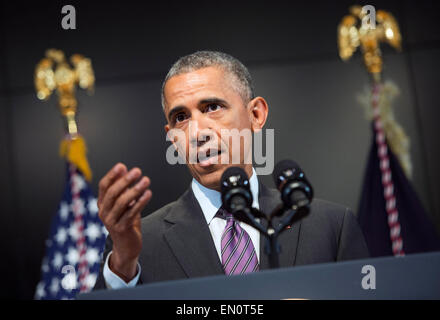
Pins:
x: 356, y: 30
x: 53, y: 73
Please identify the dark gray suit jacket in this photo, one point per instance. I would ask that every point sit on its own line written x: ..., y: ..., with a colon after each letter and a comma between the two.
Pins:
x: 177, y: 242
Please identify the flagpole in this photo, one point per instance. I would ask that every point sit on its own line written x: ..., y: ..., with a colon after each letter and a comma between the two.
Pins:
x: 386, y: 175
x: 368, y: 36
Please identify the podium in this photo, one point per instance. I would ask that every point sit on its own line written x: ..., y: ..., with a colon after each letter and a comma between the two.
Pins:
x: 415, y: 276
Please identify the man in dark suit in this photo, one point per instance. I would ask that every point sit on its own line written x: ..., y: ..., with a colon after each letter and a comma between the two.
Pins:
x: 191, y: 237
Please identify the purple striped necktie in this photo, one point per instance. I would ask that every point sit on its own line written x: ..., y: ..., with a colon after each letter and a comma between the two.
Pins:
x: 238, y: 252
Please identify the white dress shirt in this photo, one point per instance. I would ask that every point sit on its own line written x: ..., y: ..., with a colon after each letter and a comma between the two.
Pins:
x: 210, y: 201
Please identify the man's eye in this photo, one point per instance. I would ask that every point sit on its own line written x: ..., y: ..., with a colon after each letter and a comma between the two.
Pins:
x: 213, y: 107
x: 180, y: 117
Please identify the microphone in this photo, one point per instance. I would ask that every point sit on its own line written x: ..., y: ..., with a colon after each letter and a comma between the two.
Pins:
x: 295, y: 189
x: 235, y: 190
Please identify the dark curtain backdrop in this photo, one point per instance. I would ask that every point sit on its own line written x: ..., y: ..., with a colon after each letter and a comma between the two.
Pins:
x: 290, y: 48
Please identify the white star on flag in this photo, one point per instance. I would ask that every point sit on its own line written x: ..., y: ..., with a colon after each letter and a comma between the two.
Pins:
x: 92, y: 256
x: 61, y: 236
x: 72, y: 256
x: 73, y: 231
x: 93, y: 231
x: 64, y: 210
x: 54, y: 286
x: 57, y: 261
x: 40, y: 292
x: 90, y: 280
x: 93, y: 206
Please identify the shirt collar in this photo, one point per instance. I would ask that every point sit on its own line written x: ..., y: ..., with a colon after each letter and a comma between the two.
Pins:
x: 210, y: 200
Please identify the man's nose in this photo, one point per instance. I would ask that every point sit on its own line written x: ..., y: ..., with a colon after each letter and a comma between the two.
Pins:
x: 203, y: 138
x: 201, y: 131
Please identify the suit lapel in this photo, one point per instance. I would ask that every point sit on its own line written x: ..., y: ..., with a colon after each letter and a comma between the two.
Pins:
x: 191, y: 242
x: 190, y: 239
x: 288, y: 240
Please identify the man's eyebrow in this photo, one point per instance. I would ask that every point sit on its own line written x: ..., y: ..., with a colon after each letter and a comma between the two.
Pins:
x: 175, y: 110
x: 201, y: 102
x: 212, y: 100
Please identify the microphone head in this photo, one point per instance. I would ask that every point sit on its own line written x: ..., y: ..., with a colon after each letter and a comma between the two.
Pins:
x: 286, y: 169
x: 234, y: 177
x: 292, y: 183
x: 235, y: 189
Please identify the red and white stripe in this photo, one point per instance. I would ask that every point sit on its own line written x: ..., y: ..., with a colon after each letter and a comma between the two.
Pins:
x: 387, y: 179
x: 78, y: 212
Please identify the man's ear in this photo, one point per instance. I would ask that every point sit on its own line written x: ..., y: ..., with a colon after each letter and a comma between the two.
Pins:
x: 258, y: 111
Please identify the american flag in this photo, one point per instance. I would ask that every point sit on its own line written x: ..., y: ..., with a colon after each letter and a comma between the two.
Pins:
x: 75, y: 245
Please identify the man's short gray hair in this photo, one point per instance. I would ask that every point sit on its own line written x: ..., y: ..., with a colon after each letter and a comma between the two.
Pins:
x: 242, y: 82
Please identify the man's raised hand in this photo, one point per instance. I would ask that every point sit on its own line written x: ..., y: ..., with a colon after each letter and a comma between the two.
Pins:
x: 122, y: 196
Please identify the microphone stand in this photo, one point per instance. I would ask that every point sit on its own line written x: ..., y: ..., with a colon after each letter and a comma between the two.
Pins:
x: 273, y: 249
x: 253, y: 217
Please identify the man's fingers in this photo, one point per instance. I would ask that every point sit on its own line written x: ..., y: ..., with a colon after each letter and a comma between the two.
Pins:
x: 118, y: 170
x: 117, y: 188
x: 127, y: 218
x: 122, y: 202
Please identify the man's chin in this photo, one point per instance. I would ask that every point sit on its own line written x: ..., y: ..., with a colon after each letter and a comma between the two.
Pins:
x: 209, y: 176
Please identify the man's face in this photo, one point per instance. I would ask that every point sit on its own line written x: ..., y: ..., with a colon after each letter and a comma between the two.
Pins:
x: 206, y: 99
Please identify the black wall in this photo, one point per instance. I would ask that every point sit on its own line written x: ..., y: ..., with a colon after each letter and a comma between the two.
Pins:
x: 290, y: 49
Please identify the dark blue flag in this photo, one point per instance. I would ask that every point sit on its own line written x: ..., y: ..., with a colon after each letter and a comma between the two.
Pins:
x: 75, y: 245
x: 413, y: 227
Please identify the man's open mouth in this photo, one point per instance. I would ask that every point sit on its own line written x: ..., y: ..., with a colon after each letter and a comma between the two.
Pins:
x: 208, y: 158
